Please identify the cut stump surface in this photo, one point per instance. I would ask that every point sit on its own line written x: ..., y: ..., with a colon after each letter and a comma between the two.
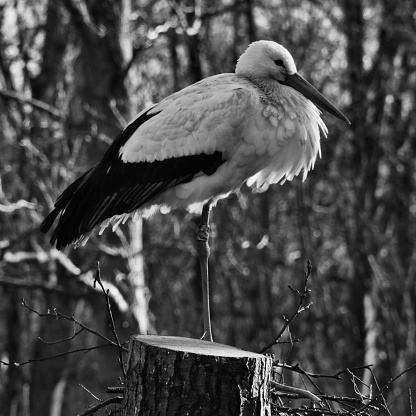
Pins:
x: 175, y: 376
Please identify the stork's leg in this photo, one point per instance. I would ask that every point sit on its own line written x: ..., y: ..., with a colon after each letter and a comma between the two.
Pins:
x: 203, y: 253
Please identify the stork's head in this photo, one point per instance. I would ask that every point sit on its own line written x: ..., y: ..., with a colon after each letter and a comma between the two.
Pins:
x: 270, y: 61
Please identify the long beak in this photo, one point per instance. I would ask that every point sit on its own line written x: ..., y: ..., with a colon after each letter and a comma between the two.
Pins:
x: 311, y: 93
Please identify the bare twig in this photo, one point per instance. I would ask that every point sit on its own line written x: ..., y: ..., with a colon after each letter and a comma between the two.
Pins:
x: 90, y: 393
x: 55, y: 314
x: 117, y: 114
x: 42, y: 257
x: 338, y: 399
x: 113, y: 291
x: 98, y: 406
x: 98, y: 280
x: 378, y: 388
x: 307, y: 411
x: 114, y: 389
x: 299, y: 392
x: 299, y: 310
x: 336, y: 376
x: 41, y: 105
x: 9, y: 208
x: 83, y: 289
x: 343, y: 400
x: 76, y: 333
x: 380, y: 393
x: 46, y: 286
x: 349, y: 404
x: 51, y: 357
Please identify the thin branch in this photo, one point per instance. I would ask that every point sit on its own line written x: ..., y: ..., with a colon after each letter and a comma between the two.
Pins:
x: 341, y: 400
x: 380, y: 393
x: 114, y: 389
x: 307, y: 411
x: 98, y: 406
x: 83, y: 290
x: 42, y: 257
x: 59, y: 341
x: 91, y: 393
x: 300, y: 392
x: 17, y: 205
x: 298, y: 311
x: 53, y: 111
x: 348, y: 403
x: 51, y: 357
x: 114, y: 292
x: 378, y: 387
x: 46, y: 286
x: 116, y: 112
x: 55, y: 314
x: 335, y: 376
x: 98, y: 280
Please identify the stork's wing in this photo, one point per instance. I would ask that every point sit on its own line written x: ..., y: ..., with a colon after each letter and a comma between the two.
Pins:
x: 205, y: 117
x: 155, y: 152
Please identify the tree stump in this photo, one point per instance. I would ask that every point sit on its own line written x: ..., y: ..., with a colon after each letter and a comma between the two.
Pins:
x: 175, y: 376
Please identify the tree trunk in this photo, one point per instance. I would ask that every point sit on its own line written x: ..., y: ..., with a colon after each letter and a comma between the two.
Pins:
x: 182, y: 376
x: 136, y: 278
x: 139, y: 290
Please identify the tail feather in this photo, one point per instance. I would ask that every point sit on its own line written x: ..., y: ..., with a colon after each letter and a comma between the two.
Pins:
x: 60, y: 204
x: 84, y: 205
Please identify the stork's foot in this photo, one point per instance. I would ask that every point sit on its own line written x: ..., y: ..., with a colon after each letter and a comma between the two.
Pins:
x: 207, y: 337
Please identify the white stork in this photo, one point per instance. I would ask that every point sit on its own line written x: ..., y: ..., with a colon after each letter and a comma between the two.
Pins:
x: 259, y: 126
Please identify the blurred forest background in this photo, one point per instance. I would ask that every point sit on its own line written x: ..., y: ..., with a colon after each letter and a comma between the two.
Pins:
x: 74, y: 72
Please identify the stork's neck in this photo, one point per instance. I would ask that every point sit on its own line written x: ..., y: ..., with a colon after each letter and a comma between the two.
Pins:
x: 287, y: 101
x: 273, y: 92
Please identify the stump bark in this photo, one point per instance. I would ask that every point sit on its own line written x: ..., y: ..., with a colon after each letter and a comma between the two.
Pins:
x: 172, y: 376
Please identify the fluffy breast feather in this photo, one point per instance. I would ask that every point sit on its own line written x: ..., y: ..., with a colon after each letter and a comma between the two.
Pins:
x: 293, y: 144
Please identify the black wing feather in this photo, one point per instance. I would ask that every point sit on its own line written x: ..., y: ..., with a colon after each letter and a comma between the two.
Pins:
x: 113, y: 187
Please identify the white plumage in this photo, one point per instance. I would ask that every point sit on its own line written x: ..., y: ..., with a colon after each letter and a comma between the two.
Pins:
x: 258, y: 126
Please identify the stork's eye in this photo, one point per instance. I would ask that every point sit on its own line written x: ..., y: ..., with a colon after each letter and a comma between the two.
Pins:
x: 279, y: 62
